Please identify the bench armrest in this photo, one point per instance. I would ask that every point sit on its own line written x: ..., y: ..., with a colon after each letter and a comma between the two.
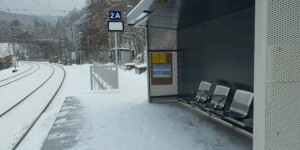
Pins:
x: 221, y: 100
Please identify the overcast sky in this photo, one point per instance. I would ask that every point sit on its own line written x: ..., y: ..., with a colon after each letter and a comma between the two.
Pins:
x: 31, y: 5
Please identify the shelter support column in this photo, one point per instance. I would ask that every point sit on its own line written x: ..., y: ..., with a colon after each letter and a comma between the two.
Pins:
x: 277, y: 75
x: 162, y: 64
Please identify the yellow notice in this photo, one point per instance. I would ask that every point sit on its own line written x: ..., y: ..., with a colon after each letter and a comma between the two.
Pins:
x: 159, y: 58
x: 163, y: 58
x: 155, y: 58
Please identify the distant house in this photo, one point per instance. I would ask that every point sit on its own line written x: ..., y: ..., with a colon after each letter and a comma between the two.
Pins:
x: 6, y: 54
x: 123, y: 55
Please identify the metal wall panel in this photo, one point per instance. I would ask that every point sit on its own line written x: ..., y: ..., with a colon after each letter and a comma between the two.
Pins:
x: 163, y: 41
x: 179, y: 14
x: 282, y: 105
x: 220, y: 50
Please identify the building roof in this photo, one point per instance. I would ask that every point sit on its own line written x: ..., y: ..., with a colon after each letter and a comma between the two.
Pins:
x: 179, y: 14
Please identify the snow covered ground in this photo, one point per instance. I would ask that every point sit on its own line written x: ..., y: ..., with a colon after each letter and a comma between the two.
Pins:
x: 77, y: 82
x: 123, y: 120
x: 22, y: 68
x: 21, y: 104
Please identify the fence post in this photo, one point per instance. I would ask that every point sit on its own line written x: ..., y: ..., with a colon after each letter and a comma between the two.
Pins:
x: 91, y: 74
x: 116, y: 77
x: 110, y: 77
x: 102, y: 74
x: 106, y: 76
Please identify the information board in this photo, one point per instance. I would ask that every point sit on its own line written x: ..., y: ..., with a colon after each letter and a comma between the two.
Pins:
x: 116, y: 26
x: 162, y: 71
x: 161, y: 68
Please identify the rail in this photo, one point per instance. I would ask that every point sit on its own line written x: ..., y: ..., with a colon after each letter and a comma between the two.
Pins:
x: 43, y: 111
x: 2, y: 85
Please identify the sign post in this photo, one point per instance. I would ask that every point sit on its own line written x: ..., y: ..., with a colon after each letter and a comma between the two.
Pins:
x: 116, y: 49
x: 115, y: 24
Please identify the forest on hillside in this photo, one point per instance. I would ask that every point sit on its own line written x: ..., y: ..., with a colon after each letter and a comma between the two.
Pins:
x: 82, y: 30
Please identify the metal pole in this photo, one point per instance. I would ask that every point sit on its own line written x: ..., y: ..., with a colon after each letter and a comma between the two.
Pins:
x: 35, y: 51
x: 109, y: 41
x: 130, y: 48
x: 148, y: 64
x: 13, y: 38
x: 72, y: 46
x: 61, y: 51
x: 80, y: 50
x: 55, y: 53
x: 13, y: 43
x: 116, y: 49
x: 129, y: 31
x: 88, y: 53
x: 72, y: 34
x: 146, y: 43
x: 91, y: 77
x: 143, y: 47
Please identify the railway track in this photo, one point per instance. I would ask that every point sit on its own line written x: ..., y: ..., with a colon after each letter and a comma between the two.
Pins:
x: 48, y: 104
x: 44, y: 103
x: 9, y: 109
x: 2, y: 85
x: 31, y: 66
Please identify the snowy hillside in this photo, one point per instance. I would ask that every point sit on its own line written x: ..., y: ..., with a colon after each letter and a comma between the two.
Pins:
x: 6, y: 49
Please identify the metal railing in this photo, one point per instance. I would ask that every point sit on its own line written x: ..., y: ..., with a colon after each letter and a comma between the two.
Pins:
x: 104, y: 77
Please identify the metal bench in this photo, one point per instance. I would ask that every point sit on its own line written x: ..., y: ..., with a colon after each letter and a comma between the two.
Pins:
x: 217, y: 100
x: 240, y: 104
x: 240, y: 107
x: 201, y: 93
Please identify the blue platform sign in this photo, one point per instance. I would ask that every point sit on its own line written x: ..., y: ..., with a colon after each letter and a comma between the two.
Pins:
x: 115, y: 15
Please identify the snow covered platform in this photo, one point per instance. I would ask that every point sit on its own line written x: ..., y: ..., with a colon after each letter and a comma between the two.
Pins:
x: 112, y: 121
x: 66, y: 127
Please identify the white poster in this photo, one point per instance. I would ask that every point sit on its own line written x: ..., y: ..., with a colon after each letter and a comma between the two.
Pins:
x: 162, y: 71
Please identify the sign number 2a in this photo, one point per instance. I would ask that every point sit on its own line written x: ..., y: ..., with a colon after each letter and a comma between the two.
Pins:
x: 115, y: 15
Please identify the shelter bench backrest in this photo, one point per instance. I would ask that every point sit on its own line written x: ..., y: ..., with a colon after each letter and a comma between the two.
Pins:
x: 222, y: 91
x: 241, y: 103
x: 203, y: 90
x: 204, y: 86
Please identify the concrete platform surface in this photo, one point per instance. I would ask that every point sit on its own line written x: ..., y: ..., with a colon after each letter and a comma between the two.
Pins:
x: 67, y: 126
x: 115, y: 124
